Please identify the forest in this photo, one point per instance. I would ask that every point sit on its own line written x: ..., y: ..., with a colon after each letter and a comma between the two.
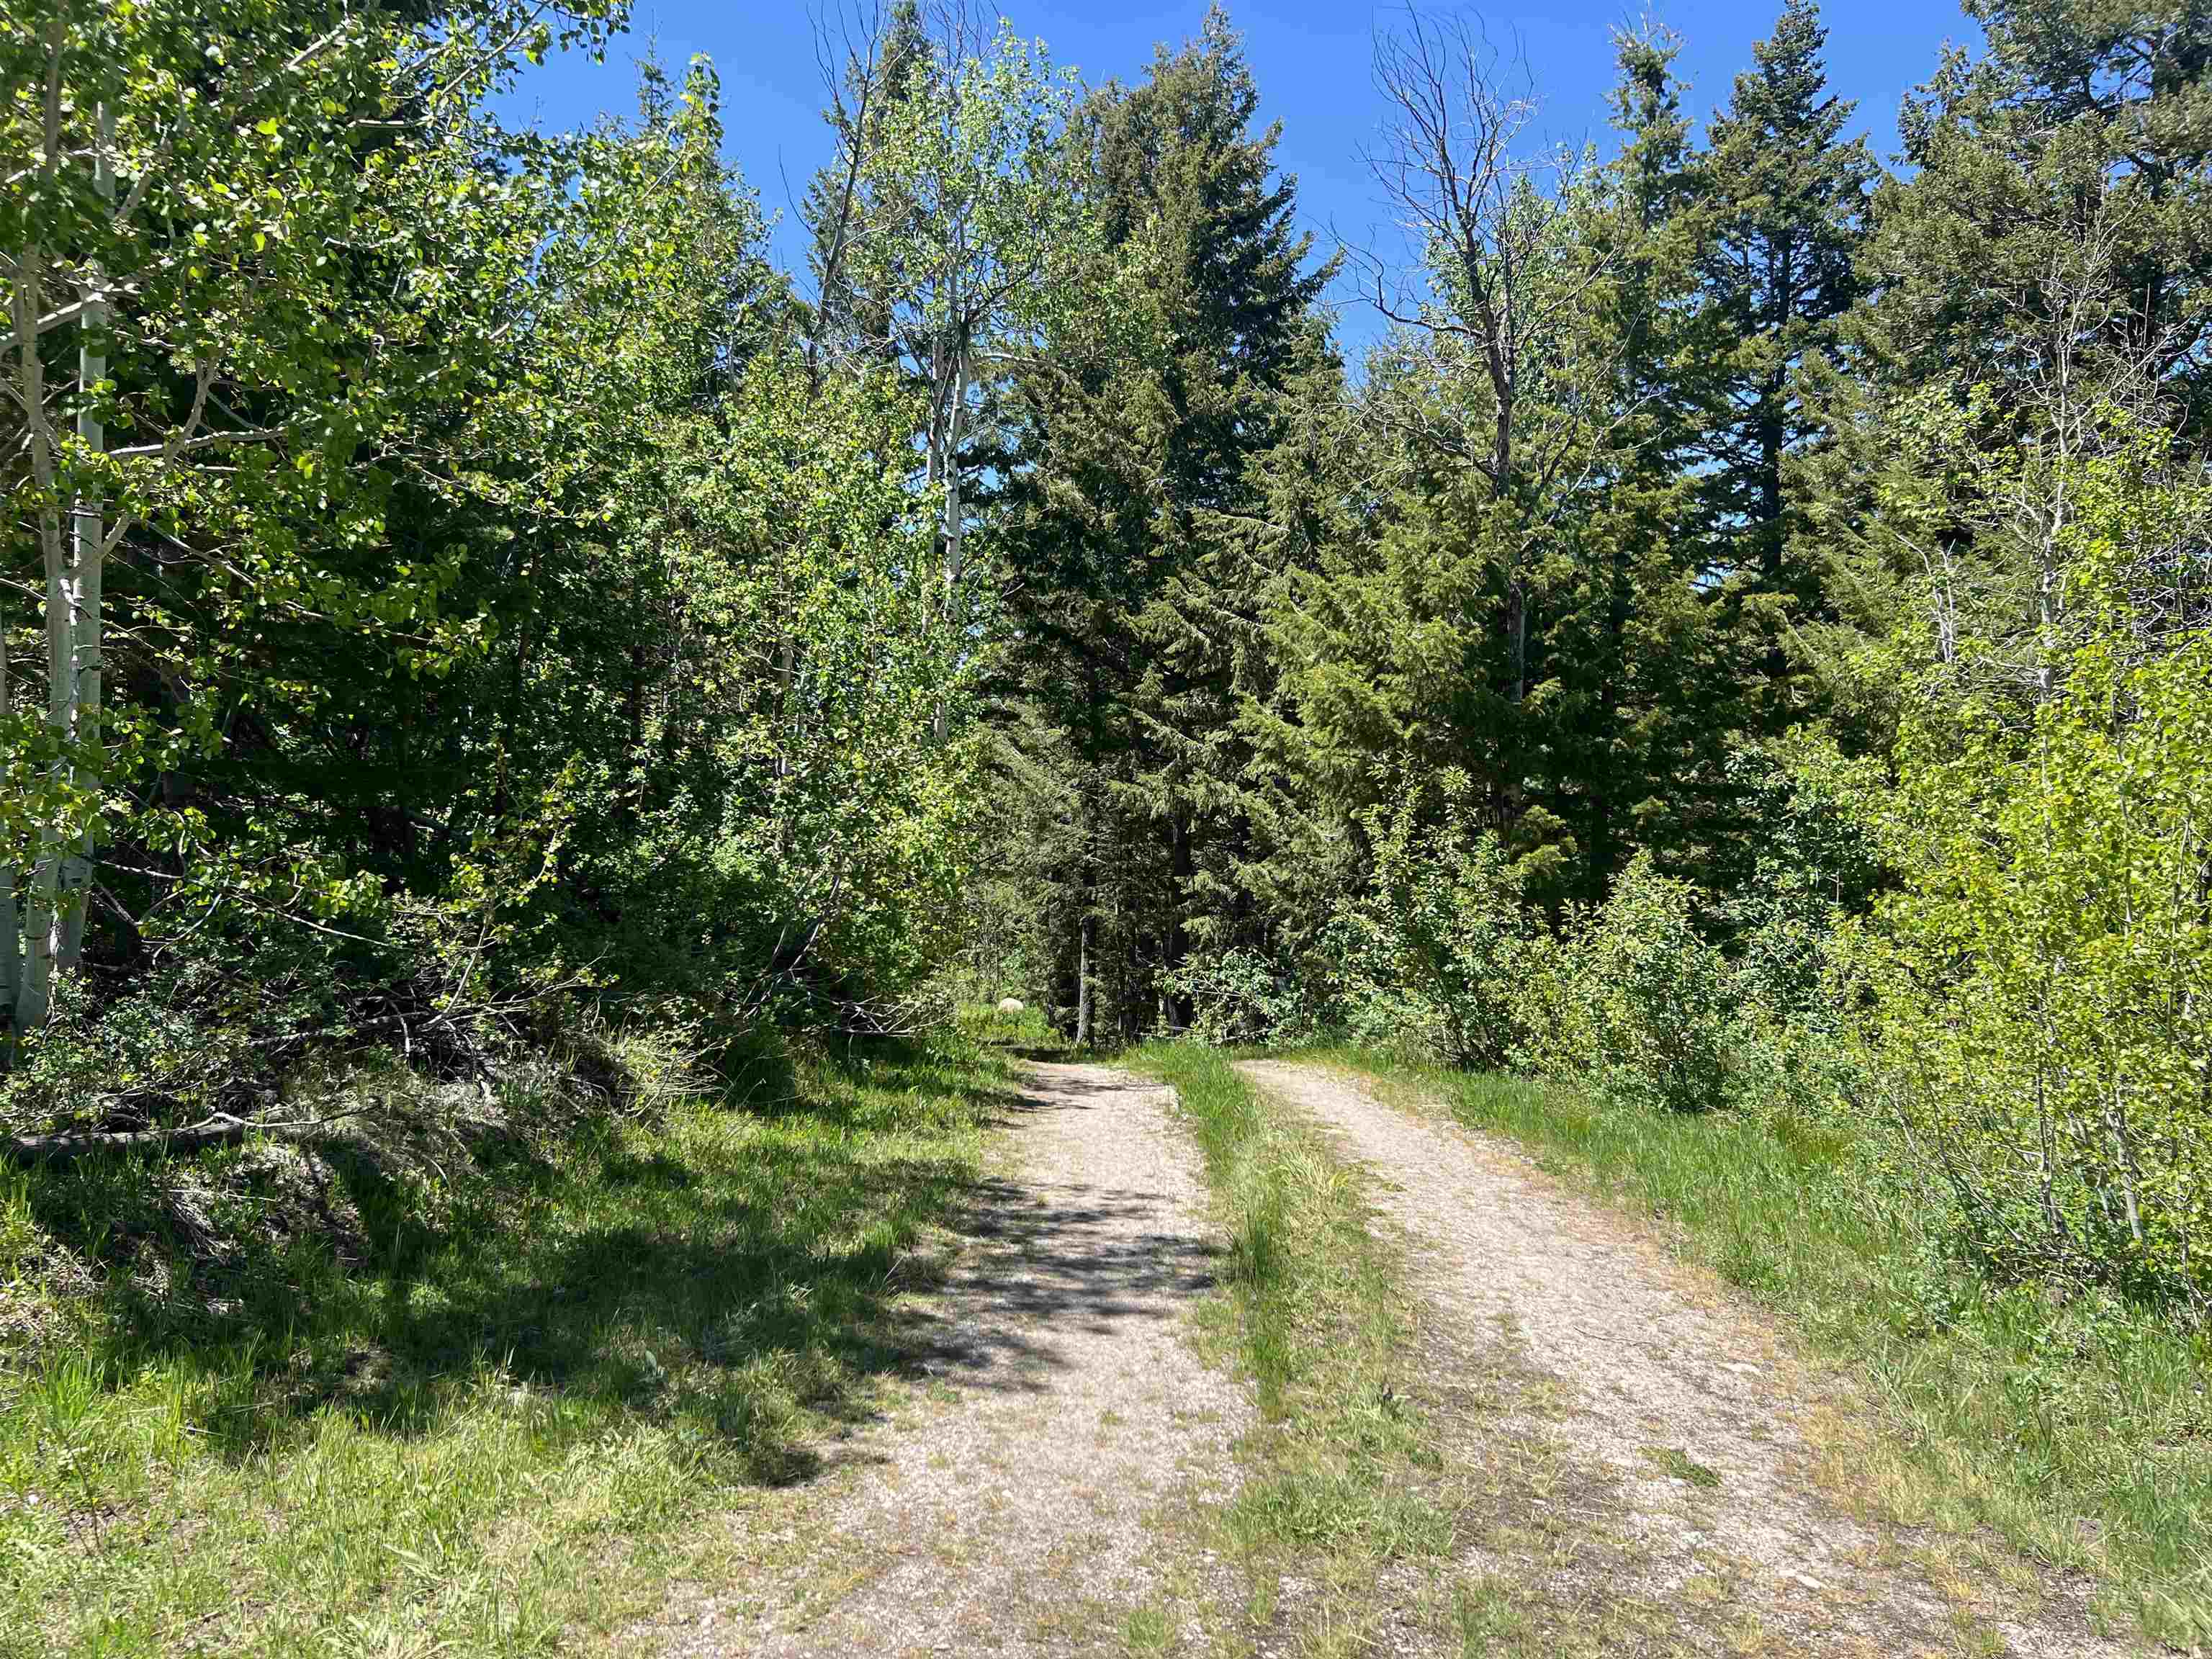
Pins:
x: 1736, y: 648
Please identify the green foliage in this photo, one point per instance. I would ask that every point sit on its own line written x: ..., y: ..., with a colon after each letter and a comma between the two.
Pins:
x: 1787, y: 194
x: 2040, y: 973
x: 1430, y: 955
x: 1742, y: 642
x: 501, y: 605
x: 1239, y: 998
x: 1816, y: 862
x: 1637, y: 999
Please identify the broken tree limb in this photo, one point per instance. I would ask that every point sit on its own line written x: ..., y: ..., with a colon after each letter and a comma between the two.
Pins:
x: 222, y: 1130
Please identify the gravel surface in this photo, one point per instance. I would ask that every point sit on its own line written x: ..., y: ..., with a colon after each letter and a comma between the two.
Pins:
x: 1689, y: 1410
x: 1009, y: 1507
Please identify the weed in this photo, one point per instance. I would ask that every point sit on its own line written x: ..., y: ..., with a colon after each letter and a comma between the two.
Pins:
x: 1678, y: 1465
x: 1488, y: 1620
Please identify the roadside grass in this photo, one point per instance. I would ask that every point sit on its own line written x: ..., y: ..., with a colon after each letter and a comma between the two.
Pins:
x: 471, y: 1403
x: 1342, y: 1478
x: 2079, y: 1429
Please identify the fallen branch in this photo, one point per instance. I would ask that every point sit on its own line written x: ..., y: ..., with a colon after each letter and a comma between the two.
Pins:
x: 221, y: 1130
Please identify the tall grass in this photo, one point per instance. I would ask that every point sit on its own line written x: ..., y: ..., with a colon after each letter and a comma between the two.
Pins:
x: 2078, y: 1426
x: 475, y: 1411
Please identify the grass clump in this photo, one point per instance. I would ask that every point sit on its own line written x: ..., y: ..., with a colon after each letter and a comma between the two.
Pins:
x: 473, y: 1402
x: 1340, y: 1476
x: 2077, y: 1424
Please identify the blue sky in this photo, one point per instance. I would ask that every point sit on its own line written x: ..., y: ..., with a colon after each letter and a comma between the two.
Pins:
x: 1310, y: 58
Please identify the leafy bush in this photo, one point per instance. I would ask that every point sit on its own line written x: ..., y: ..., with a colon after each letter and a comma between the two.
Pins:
x: 1637, y: 999
x: 1815, y: 860
x: 2043, y: 974
x: 1239, y: 998
x: 1428, y: 958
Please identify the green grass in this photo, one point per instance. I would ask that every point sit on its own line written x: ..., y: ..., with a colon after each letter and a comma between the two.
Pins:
x: 1027, y: 1032
x: 1677, y: 1464
x: 1340, y: 1477
x: 2080, y: 1429
x: 474, y: 1402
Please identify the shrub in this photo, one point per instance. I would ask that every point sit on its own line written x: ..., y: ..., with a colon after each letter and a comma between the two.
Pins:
x: 1815, y: 859
x: 1639, y: 999
x: 1238, y: 998
x: 1428, y: 958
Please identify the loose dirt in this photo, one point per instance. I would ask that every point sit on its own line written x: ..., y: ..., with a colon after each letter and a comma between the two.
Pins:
x: 1648, y: 1446
x: 1011, y: 1505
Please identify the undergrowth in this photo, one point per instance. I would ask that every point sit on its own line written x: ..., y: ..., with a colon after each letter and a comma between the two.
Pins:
x: 1340, y: 1476
x: 458, y: 1396
x: 2077, y: 1426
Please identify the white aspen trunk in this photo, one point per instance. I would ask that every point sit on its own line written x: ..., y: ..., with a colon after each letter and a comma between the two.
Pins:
x: 88, y: 564
x: 35, y: 977
x: 935, y: 474
x: 34, y: 968
x: 21, y: 302
x: 956, y: 513
x: 11, y: 947
x: 41, y: 935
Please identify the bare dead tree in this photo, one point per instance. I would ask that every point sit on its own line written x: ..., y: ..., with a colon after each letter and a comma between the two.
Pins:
x: 1499, y: 277
x: 850, y: 54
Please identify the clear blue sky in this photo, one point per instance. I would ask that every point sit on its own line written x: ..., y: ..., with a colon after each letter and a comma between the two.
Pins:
x: 1311, y: 59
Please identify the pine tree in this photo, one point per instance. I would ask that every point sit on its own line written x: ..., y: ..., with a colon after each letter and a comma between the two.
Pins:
x: 1658, y: 706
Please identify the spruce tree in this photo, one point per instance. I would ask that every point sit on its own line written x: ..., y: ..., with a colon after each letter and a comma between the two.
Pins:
x: 1142, y: 555
x: 1789, y: 196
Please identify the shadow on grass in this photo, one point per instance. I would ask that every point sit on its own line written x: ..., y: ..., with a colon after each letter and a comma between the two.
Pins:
x: 740, y: 1277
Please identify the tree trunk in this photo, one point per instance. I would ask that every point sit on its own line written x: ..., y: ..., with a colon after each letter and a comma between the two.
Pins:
x: 1085, y: 1007
x: 956, y: 510
x: 54, y: 927
x: 1176, y: 1008
x: 1516, y: 622
x: 11, y: 947
x: 35, y: 974
x: 1501, y: 479
x: 87, y: 623
x: 1771, y: 437
x: 955, y: 514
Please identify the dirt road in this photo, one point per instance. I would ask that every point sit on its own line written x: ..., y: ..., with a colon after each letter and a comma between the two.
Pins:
x: 1646, y: 1447
x: 1012, y: 1508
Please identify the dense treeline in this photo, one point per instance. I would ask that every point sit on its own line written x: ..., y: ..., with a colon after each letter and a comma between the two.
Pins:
x: 1737, y: 641
x: 469, y: 586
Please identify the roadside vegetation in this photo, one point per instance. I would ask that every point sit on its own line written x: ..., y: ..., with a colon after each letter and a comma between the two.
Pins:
x: 470, y: 1380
